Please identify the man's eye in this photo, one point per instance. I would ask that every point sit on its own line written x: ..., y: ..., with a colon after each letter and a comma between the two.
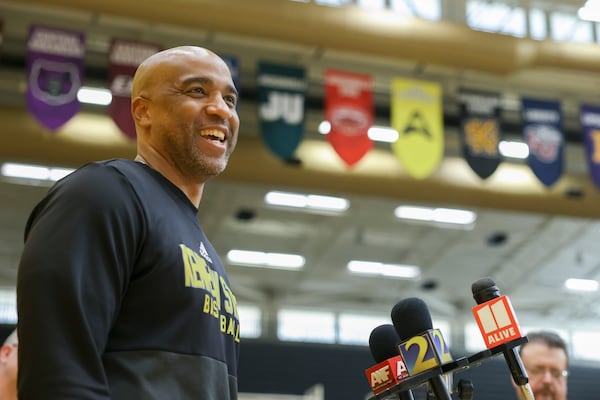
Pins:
x: 230, y: 100
x: 198, y: 90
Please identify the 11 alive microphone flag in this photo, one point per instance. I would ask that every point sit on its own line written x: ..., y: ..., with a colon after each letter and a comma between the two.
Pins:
x: 500, y: 330
x: 497, y: 321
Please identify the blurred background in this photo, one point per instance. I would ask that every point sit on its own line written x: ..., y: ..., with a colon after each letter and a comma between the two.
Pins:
x: 350, y: 247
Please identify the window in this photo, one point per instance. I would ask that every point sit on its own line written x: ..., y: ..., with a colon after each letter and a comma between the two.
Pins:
x: 537, y: 24
x: 250, y: 321
x: 306, y: 326
x: 567, y: 27
x: 356, y: 329
x: 496, y: 17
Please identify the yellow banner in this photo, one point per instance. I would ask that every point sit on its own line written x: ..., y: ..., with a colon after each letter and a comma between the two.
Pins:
x: 416, y: 113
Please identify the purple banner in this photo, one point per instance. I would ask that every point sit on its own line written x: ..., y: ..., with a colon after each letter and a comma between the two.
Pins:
x: 125, y: 56
x: 55, y: 60
x: 542, y: 130
x: 590, y: 121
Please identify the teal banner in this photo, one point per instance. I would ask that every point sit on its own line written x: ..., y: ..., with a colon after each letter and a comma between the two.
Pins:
x: 281, y: 97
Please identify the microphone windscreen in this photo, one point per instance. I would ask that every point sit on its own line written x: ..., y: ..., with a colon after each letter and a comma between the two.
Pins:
x: 411, y: 317
x: 383, y: 342
x: 484, y: 290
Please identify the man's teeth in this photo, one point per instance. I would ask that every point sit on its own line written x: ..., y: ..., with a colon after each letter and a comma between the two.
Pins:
x: 214, y: 133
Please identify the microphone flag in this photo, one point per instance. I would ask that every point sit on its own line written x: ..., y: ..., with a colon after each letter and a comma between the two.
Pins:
x: 386, y: 374
x: 497, y: 322
x: 424, y: 351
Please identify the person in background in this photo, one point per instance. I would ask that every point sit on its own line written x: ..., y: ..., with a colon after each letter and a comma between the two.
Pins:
x: 545, y: 358
x: 120, y: 294
x: 8, y: 367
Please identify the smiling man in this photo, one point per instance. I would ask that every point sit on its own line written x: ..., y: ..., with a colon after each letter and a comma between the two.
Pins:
x: 117, y: 274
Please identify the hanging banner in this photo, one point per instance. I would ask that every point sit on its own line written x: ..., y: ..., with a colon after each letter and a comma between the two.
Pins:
x: 350, y: 111
x: 590, y: 122
x: 124, y: 58
x: 416, y: 113
x: 480, y: 131
x: 281, y: 95
x: 234, y: 67
x: 542, y: 130
x: 55, y: 60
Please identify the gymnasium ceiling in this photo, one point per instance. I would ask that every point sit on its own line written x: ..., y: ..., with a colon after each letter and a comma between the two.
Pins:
x: 528, y: 237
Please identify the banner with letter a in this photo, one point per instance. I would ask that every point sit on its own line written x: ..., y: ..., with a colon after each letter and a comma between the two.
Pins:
x: 55, y: 60
x: 281, y: 95
x: 542, y: 130
x: 590, y: 122
x: 124, y: 58
x: 349, y: 109
x: 480, y: 131
x: 416, y: 114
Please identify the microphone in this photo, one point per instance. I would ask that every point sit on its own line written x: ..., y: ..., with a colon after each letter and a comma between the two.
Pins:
x: 422, y: 348
x: 500, y: 329
x: 390, y: 368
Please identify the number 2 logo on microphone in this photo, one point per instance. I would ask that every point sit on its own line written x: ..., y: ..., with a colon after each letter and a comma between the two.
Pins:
x: 425, y: 351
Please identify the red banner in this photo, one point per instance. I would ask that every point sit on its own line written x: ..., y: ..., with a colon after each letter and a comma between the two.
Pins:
x: 350, y: 111
x: 125, y: 56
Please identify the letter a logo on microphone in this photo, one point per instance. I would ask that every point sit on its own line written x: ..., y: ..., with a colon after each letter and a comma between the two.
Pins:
x: 497, y: 321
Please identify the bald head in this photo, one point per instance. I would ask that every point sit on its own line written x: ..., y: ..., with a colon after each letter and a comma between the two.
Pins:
x: 158, y: 64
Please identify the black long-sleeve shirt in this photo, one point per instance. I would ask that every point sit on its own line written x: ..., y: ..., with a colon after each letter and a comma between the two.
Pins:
x: 120, y: 295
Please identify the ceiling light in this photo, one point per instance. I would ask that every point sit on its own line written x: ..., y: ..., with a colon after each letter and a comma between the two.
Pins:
x: 311, y: 201
x: 388, y: 270
x: 437, y: 215
x: 376, y: 133
x: 581, y: 285
x: 265, y: 260
x: 514, y: 149
x: 590, y: 11
x: 34, y: 172
x: 98, y: 96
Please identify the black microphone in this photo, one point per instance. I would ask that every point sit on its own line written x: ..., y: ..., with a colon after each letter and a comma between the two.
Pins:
x: 422, y: 347
x: 500, y: 329
x: 383, y: 343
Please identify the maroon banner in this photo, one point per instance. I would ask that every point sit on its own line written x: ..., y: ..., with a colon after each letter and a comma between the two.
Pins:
x: 55, y: 71
x: 350, y: 111
x: 124, y: 58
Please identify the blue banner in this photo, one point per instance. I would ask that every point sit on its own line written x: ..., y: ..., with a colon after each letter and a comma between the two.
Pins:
x: 281, y: 96
x: 542, y: 130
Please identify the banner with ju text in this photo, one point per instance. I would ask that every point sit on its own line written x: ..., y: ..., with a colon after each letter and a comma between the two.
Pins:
x: 281, y: 97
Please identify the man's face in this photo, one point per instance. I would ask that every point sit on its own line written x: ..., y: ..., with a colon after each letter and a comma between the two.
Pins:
x: 546, y: 368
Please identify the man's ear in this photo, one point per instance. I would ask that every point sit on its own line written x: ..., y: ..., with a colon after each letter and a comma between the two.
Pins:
x: 140, y: 112
x: 5, y: 350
